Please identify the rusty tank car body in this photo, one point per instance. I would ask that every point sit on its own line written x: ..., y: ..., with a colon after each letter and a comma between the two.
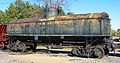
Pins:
x: 87, y: 34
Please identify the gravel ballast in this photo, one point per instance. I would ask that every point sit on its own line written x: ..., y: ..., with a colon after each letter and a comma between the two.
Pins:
x: 7, y: 57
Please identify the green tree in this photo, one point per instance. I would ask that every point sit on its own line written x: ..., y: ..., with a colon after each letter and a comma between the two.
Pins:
x: 38, y: 11
x: 117, y: 34
x: 3, y: 17
x: 70, y: 13
x: 12, y: 12
x: 60, y: 11
x: 112, y: 32
x: 20, y: 9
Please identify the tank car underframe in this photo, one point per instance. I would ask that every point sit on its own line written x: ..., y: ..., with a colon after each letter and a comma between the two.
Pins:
x: 16, y: 44
x: 86, y: 45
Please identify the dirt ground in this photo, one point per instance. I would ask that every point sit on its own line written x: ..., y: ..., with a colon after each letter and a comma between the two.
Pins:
x: 40, y: 57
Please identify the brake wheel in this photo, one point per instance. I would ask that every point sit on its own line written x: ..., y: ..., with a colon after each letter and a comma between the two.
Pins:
x: 99, y: 52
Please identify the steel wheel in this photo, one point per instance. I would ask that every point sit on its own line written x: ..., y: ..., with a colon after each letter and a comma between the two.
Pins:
x: 75, y: 51
x: 22, y: 47
x: 2, y: 46
x: 99, y: 52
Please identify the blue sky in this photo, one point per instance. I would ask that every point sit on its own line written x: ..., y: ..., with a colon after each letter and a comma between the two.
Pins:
x: 86, y: 6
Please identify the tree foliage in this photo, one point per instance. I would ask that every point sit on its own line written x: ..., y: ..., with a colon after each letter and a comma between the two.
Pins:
x: 70, y: 13
x: 20, y: 9
x: 3, y: 17
x: 112, y: 32
x: 60, y: 12
x: 115, y: 33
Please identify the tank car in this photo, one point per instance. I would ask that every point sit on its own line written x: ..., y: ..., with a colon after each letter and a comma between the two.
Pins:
x: 87, y: 34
